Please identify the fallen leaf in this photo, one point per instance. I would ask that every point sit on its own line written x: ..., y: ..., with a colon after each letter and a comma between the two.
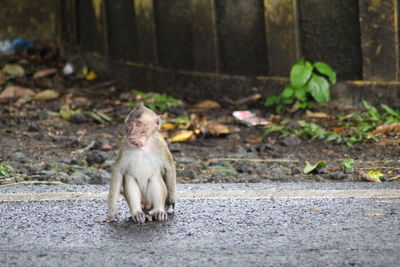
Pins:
x: 206, y: 104
x: 181, y: 136
x: 319, y: 115
x: 91, y: 75
x: 14, y: 70
x: 43, y: 73
x: 339, y: 130
x: 66, y: 114
x: 16, y: 92
x: 99, y: 116
x: 168, y: 126
x: 48, y: 94
x: 372, y: 176
x: 388, y: 128
x: 314, y: 209
x: 374, y: 214
x: 216, y: 128
x: 310, y: 168
x: 257, y: 139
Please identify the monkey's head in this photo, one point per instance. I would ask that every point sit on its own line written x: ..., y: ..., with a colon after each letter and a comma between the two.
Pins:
x: 140, y: 124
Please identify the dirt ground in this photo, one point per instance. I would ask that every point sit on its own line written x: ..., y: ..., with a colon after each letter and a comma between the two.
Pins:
x: 41, y: 146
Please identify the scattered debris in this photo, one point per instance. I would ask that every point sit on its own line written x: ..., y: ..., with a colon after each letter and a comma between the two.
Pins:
x: 249, y: 118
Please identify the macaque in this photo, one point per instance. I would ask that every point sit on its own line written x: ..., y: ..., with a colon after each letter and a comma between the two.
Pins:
x: 144, y: 171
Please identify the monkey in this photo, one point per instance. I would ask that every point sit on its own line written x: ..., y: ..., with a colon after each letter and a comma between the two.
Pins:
x: 144, y: 170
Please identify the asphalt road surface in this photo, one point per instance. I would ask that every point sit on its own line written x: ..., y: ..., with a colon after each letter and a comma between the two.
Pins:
x: 311, y: 224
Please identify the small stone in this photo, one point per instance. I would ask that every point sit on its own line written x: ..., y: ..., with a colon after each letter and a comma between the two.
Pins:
x: 96, y: 157
x: 100, y: 177
x: 19, y: 157
x: 78, y: 178
x: 290, y: 141
x: 279, y: 171
x: 79, y: 118
x: 33, y: 127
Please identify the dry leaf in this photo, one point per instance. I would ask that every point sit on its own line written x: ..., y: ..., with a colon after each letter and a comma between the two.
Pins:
x: 314, y: 209
x: 181, y: 136
x: 43, y: 73
x: 16, y: 92
x: 319, y: 115
x: 388, y: 128
x: 206, y: 104
x: 372, y: 176
x: 257, y: 139
x: 216, y: 128
x: 48, y: 94
x: 14, y: 70
x: 168, y: 126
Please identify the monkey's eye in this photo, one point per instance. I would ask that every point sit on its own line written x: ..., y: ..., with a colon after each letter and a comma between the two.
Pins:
x: 138, y: 123
x: 129, y: 124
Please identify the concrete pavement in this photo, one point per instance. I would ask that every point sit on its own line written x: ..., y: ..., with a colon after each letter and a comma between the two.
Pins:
x: 305, y: 224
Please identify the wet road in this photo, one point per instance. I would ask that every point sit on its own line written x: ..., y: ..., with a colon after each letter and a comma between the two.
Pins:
x: 256, y: 225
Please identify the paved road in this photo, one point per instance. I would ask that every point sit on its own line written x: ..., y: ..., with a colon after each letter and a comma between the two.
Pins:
x: 226, y: 225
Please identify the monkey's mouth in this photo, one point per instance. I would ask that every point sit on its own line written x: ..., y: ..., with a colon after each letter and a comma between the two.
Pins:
x: 137, y: 142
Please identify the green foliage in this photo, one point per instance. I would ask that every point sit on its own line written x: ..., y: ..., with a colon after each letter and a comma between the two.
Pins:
x: 312, y: 167
x: 5, y: 170
x: 308, y: 84
x: 161, y: 102
x: 347, y: 165
x: 356, y: 127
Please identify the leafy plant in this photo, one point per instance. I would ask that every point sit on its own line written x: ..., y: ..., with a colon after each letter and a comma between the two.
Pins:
x: 309, y: 83
x: 347, y: 165
x: 5, y: 170
x: 352, y: 128
x: 161, y: 102
x: 312, y: 167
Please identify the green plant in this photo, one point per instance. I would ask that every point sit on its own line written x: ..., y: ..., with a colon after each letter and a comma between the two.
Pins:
x: 161, y: 102
x: 347, y: 165
x: 309, y: 83
x: 312, y: 167
x: 355, y: 127
x: 5, y: 170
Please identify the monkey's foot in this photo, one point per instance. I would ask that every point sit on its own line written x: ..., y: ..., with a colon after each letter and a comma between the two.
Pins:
x: 139, y: 217
x: 159, y: 216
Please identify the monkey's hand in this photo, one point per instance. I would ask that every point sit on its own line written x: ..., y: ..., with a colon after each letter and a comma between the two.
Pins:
x: 159, y: 215
x: 139, y: 217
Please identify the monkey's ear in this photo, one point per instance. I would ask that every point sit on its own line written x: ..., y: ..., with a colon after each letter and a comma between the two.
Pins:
x: 140, y: 105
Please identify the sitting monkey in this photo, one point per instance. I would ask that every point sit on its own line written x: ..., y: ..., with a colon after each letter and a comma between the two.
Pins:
x: 144, y: 170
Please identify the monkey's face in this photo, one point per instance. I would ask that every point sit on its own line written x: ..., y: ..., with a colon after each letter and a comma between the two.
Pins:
x: 138, y: 130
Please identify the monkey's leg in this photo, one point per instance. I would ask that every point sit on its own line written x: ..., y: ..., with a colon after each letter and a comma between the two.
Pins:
x: 133, y: 196
x: 157, y: 194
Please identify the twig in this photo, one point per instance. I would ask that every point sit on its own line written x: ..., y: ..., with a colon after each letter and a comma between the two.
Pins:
x: 242, y: 100
x: 100, y: 85
x: 34, y: 182
x: 83, y: 150
x: 394, y: 178
x: 253, y: 160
